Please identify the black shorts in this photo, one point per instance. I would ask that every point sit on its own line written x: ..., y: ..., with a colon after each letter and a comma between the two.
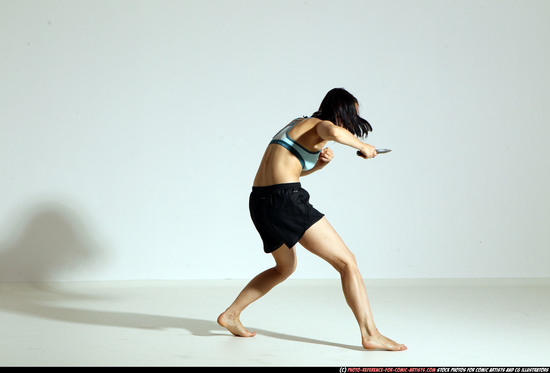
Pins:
x: 281, y: 213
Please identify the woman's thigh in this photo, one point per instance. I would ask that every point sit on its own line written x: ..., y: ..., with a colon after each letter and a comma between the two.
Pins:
x: 322, y: 240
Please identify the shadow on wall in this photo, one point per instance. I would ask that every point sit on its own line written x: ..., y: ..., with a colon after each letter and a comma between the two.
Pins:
x: 47, y: 242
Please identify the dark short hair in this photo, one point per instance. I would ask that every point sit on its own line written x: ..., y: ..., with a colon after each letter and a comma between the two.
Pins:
x: 339, y: 107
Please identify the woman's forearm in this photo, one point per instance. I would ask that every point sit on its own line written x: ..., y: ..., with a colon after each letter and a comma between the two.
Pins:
x: 331, y: 132
x: 309, y: 172
x: 344, y: 137
x: 325, y: 156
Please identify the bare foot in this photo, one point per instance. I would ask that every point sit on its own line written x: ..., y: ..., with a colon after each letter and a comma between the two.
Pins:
x: 378, y: 341
x: 233, y: 324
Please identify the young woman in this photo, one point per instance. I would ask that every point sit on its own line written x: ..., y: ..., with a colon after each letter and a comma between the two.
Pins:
x: 283, y: 216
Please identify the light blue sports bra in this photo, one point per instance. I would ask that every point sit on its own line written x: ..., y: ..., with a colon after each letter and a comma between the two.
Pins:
x: 307, y: 159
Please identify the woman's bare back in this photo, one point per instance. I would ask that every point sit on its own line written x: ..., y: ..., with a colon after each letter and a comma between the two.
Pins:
x: 278, y: 165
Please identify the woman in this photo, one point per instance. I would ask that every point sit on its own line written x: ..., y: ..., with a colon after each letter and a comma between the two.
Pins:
x: 283, y: 216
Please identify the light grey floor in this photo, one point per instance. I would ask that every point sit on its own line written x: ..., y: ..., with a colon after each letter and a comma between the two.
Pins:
x: 300, y: 323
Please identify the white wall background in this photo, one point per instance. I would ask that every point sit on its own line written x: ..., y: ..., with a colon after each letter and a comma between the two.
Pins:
x: 131, y: 131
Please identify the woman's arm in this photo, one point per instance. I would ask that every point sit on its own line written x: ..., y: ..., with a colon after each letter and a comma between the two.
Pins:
x: 324, y: 158
x: 330, y: 132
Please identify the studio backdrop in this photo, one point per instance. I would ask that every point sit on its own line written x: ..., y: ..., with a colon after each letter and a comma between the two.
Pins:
x: 131, y: 131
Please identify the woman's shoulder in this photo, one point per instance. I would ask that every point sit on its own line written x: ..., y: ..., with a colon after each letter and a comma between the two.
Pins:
x: 310, y: 121
x: 305, y: 131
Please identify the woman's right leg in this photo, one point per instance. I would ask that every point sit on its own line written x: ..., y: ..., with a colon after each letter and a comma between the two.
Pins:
x: 322, y: 240
x: 285, y: 264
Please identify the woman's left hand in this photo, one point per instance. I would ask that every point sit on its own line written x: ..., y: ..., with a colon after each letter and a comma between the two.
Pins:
x: 325, y: 157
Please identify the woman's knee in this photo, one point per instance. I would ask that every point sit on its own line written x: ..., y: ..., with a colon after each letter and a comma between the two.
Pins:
x: 286, y: 261
x: 286, y: 269
x: 346, y: 263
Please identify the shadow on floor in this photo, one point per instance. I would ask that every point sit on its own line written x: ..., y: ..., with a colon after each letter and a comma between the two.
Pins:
x: 50, y: 240
x: 35, y: 300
